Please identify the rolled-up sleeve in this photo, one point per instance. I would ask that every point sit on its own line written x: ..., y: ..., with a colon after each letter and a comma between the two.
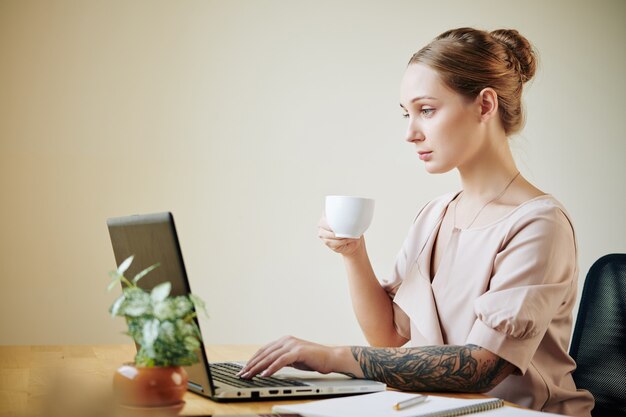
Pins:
x: 532, y: 277
x: 401, y: 321
x: 404, y: 260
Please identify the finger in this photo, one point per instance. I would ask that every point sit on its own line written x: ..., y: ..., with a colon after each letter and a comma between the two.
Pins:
x: 330, y: 235
x: 260, y: 354
x: 323, y: 223
x: 256, y: 358
x: 334, y: 245
x: 284, y: 360
x: 334, y: 238
x: 266, y: 350
x: 269, y: 361
x: 325, y: 231
x: 327, y: 234
x: 301, y: 355
x: 340, y: 245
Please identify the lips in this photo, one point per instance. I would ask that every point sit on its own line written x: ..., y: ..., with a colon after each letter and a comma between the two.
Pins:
x: 425, y: 155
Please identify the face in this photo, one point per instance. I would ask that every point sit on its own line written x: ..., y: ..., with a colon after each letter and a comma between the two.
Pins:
x: 443, y: 125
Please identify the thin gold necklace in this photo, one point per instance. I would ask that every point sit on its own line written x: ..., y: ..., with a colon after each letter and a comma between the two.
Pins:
x: 485, y: 205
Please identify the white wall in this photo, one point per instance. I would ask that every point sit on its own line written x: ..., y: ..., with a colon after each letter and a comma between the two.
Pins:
x: 239, y: 116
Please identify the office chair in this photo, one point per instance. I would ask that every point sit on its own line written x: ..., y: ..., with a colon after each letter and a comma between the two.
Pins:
x: 599, y: 340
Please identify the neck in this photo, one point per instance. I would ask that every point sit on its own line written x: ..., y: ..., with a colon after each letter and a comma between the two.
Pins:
x: 487, y: 174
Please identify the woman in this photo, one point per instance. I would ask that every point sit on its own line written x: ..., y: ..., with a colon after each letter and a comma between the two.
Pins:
x: 483, y: 288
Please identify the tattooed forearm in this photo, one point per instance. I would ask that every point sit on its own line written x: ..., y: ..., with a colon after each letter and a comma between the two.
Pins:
x: 433, y: 368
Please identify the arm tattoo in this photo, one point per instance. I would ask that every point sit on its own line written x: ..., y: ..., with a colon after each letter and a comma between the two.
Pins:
x: 432, y: 368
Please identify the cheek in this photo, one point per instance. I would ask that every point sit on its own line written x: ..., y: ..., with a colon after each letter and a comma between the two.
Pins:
x: 464, y: 122
x: 449, y: 137
x: 448, y: 129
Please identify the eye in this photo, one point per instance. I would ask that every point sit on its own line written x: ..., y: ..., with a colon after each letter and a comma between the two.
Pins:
x: 405, y: 115
x: 427, y: 112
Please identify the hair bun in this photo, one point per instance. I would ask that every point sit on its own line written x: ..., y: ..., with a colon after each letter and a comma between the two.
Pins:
x: 521, y: 49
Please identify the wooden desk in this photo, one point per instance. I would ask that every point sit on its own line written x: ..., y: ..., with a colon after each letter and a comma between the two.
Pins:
x: 24, y: 374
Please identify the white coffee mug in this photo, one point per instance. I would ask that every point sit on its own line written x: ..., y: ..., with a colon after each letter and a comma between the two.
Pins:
x: 349, y: 217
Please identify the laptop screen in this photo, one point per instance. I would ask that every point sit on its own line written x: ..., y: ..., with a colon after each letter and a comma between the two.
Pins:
x: 152, y: 239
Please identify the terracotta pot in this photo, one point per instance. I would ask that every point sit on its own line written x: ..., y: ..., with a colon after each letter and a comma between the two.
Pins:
x: 159, y: 386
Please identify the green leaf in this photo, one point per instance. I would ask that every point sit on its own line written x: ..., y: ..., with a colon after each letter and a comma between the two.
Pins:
x: 145, y: 272
x: 167, y: 332
x: 113, y: 284
x: 199, y: 303
x: 115, y: 279
x: 125, y: 265
x: 191, y: 343
x: 117, y: 304
x: 150, y: 333
x: 161, y: 324
x: 135, y: 309
x: 160, y: 292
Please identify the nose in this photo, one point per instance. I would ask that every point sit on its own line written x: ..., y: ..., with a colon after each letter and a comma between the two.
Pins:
x: 413, y: 132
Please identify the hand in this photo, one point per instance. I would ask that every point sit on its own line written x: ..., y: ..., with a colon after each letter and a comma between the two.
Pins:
x: 289, y: 351
x: 343, y: 246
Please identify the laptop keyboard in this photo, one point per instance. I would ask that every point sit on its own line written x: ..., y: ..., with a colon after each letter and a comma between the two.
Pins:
x: 227, y: 373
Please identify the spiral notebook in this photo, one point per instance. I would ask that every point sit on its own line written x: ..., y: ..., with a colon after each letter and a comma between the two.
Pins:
x: 381, y: 404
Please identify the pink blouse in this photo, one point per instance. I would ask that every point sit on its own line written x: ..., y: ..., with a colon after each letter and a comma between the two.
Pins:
x: 508, y: 287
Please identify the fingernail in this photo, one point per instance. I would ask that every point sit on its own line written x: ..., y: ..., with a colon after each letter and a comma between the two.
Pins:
x: 264, y: 373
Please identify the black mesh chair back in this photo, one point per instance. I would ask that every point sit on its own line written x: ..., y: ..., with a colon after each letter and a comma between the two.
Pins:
x: 599, y: 340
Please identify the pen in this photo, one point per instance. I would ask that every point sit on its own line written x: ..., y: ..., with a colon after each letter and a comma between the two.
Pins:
x: 410, y: 402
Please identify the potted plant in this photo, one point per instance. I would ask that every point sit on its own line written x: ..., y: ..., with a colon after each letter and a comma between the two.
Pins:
x: 164, y: 329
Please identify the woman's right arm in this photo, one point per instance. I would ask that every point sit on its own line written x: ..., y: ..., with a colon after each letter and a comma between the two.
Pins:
x: 371, y: 303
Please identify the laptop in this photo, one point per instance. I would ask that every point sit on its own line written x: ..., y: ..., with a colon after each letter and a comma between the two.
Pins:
x: 152, y: 238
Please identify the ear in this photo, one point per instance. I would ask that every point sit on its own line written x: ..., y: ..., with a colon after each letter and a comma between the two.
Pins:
x: 487, y: 101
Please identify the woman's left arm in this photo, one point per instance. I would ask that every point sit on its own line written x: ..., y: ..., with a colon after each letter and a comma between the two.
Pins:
x: 468, y: 368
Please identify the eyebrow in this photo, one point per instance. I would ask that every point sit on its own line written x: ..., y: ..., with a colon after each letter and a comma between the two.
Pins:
x: 418, y: 98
